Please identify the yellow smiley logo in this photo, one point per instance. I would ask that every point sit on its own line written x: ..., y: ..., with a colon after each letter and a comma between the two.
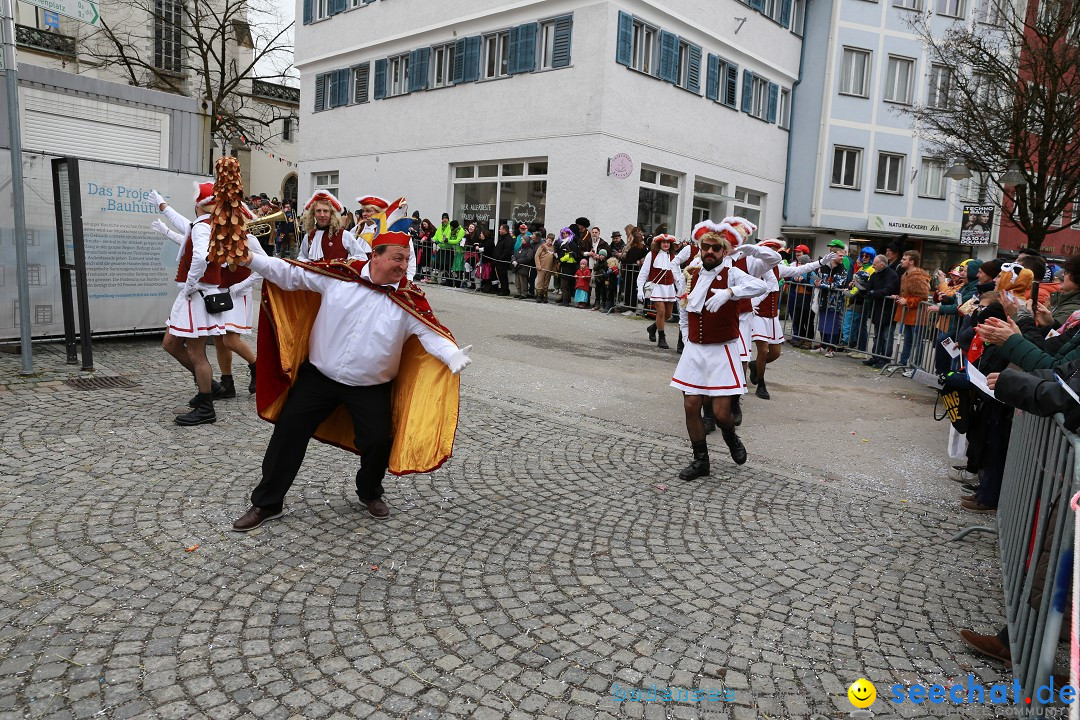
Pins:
x: 862, y: 693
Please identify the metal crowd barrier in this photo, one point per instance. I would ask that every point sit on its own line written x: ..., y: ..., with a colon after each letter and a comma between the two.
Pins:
x: 1036, y: 542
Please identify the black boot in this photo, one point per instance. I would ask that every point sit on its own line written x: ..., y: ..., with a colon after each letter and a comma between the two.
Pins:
x: 751, y: 373
x: 700, y: 466
x: 707, y: 416
x: 738, y: 451
x: 652, y: 332
x: 662, y: 342
x: 202, y: 414
x: 251, y: 385
x: 679, y: 348
x: 228, y: 389
x: 215, y: 389
x: 736, y: 410
x: 762, y: 392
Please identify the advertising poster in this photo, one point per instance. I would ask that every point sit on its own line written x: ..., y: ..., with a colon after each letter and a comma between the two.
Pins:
x: 976, y: 224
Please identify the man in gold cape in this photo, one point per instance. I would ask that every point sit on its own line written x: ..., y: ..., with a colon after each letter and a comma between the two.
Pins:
x: 352, y: 355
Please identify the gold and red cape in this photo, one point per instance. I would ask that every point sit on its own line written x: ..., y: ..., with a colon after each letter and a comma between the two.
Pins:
x: 425, y: 392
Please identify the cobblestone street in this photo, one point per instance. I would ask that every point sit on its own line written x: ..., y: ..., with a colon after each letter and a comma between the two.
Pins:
x: 556, y: 555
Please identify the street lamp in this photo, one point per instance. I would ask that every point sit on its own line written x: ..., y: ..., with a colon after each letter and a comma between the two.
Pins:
x: 959, y: 171
x: 1013, y: 177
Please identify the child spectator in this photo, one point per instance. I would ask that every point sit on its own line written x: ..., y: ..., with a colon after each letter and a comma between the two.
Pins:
x: 584, y: 275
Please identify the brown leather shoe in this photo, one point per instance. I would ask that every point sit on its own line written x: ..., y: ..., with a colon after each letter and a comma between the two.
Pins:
x: 987, y: 645
x: 254, y: 517
x: 378, y: 509
x: 969, y: 498
x: 978, y: 507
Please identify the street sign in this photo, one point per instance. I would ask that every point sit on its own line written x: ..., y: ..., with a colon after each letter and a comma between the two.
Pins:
x: 82, y: 10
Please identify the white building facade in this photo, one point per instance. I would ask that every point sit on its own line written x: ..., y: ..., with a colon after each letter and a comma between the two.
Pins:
x: 857, y: 170
x: 626, y: 112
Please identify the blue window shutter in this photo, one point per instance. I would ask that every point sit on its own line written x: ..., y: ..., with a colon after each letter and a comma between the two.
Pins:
x: 420, y: 69
x: 380, y: 79
x: 669, y: 56
x: 731, y: 84
x: 361, y: 81
x: 624, y: 44
x: 693, y: 73
x: 785, y: 13
x: 320, y: 92
x: 774, y: 97
x: 526, y: 48
x: 712, y: 78
x: 413, y: 76
x: 459, y: 61
x: 512, y: 64
x: 564, y: 28
x: 747, y: 90
x: 758, y: 5
x: 336, y: 6
x: 309, y: 11
x: 340, y: 83
x: 472, y: 59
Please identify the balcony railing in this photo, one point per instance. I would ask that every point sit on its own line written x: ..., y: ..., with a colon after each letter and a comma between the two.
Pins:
x: 273, y: 91
x: 45, y: 40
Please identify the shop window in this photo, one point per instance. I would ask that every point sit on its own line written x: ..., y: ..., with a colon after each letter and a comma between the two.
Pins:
x: 658, y: 201
x: 710, y: 200
x: 490, y: 194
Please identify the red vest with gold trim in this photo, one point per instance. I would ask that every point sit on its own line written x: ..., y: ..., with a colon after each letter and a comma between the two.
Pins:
x: 710, y: 328
x: 212, y: 275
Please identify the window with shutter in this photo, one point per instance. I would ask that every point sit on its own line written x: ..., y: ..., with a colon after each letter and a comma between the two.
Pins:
x: 712, y: 78
x: 320, y: 92
x: 564, y: 30
x: 747, y: 91
x: 337, y: 6
x: 472, y: 58
x: 669, y: 56
x: 624, y: 43
x: 380, y: 79
x: 693, y: 71
x: 309, y: 11
x: 361, y: 80
x: 774, y: 97
x: 785, y: 12
x: 341, y: 87
x: 459, y: 61
x: 442, y: 62
x: 731, y: 85
x: 522, y: 50
x: 419, y: 70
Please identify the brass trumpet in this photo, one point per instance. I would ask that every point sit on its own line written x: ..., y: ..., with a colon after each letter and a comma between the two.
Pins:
x: 263, y: 228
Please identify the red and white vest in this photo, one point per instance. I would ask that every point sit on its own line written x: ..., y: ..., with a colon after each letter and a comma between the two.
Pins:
x: 660, y: 276
x: 770, y: 305
x: 212, y: 275
x: 745, y: 305
x: 710, y: 328
x: 332, y: 246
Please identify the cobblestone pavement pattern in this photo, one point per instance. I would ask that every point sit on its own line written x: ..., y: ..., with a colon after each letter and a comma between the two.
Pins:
x: 555, y: 555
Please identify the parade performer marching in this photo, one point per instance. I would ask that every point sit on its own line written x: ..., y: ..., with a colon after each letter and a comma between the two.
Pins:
x: 766, y: 331
x: 744, y: 229
x: 338, y: 362
x: 663, y: 276
x: 324, y: 237
x: 709, y: 368
x: 379, y: 215
x: 237, y: 321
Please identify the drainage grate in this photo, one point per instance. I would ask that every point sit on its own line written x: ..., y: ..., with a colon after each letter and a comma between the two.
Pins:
x: 101, y: 383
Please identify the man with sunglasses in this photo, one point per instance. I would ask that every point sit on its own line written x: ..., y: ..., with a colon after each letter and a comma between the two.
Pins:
x: 709, y: 368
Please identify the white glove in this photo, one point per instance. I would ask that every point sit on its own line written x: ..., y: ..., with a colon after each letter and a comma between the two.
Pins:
x: 828, y: 260
x: 157, y: 199
x: 741, y: 250
x: 717, y: 299
x: 190, y: 290
x: 459, y: 360
x: 160, y: 228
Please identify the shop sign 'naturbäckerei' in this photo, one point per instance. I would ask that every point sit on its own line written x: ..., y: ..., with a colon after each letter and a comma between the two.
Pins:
x: 913, y: 226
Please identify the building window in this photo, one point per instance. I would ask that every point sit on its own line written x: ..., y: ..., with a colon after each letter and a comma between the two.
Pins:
x: 658, y: 200
x: 890, y: 174
x: 327, y: 181
x: 287, y: 130
x: 729, y: 84
x: 322, y: 9
x: 845, y: 167
x: 496, y: 55
x: 322, y: 92
x: 798, y: 12
x: 899, y: 78
x: 710, y: 200
x: 397, y: 75
x: 784, y: 118
x: 512, y: 192
x: 33, y: 275
x: 940, y: 87
x: 759, y: 98
x: 908, y: 4
x: 644, y: 48
x: 855, y: 72
x: 168, y: 43
x: 43, y: 315
x: 951, y: 8
x: 361, y: 83
x: 933, y: 179
x: 748, y: 204
x: 442, y: 67
x: 991, y: 12
x: 33, y: 237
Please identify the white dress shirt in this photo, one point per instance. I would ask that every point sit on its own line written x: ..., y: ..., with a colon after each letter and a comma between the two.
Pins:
x: 359, y: 332
x: 309, y: 252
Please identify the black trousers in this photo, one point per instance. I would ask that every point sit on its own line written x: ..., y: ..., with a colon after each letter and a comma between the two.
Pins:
x: 312, y: 398
x: 502, y: 272
x: 567, y: 281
